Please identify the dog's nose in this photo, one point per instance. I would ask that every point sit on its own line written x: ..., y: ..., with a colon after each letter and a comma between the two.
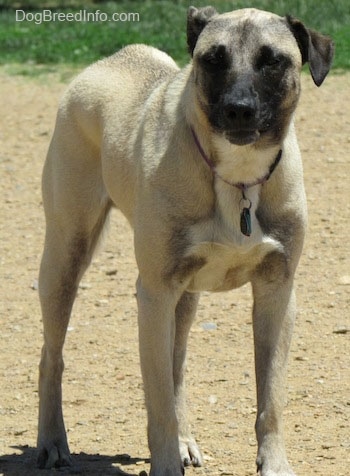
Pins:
x: 240, y: 114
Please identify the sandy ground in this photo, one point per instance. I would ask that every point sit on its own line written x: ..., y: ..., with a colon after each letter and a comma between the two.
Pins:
x: 103, y: 399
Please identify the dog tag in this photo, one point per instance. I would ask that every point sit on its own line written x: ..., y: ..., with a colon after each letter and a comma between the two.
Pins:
x: 246, y: 223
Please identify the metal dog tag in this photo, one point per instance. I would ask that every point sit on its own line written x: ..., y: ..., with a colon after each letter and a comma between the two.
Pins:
x: 246, y: 222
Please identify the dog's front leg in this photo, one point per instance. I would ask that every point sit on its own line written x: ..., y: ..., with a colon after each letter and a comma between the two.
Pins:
x: 185, y: 313
x: 156, y: 339
x: 273, y: 320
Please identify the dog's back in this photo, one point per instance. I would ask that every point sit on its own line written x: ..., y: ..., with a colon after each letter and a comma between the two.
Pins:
x: 88, y: 124
x: 114, y: 87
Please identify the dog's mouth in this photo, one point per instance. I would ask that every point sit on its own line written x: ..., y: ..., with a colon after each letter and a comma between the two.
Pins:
x: 242, y: 134
x: 243, y: 137
x: 248, y: 136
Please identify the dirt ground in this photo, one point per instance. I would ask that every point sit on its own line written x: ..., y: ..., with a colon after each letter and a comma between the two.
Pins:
x: 103, y: 399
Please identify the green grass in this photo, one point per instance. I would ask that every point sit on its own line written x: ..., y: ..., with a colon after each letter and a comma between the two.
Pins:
x: 161, y: 24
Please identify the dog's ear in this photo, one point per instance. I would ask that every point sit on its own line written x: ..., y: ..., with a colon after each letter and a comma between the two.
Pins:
x: 315, y: 48
x: 197, y: 18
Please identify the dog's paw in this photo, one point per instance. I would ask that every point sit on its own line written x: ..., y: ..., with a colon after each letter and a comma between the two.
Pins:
x: 285, y: 470
x: 168, y: 471
x: 190, y: 453
x: 53, y: 456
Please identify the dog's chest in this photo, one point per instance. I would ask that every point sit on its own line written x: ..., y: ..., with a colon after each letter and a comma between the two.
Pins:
x: 220, y: 267
x: 223, y: 258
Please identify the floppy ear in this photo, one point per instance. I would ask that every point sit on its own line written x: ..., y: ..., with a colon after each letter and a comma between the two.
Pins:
x: 197, y: 18
x: 315, y: 48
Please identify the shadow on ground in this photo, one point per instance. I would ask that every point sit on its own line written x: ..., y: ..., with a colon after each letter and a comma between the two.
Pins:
x: 24, y: 464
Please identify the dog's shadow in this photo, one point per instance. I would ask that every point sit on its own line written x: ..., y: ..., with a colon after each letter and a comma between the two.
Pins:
x: 24, y: 464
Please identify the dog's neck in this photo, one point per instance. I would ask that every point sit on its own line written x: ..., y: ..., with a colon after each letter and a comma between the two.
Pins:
x: 243, y: 186
x: 240, y: 184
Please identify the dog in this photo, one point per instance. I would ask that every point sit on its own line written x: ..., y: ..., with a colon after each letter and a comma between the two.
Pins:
x: 204, y: 163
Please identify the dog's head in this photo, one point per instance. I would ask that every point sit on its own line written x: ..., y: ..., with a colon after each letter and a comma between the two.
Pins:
x: 246, y: 67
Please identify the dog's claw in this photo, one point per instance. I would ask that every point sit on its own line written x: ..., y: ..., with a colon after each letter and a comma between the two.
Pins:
x: 190, y: 454
x: 258, y: 467
x: 192, y: 461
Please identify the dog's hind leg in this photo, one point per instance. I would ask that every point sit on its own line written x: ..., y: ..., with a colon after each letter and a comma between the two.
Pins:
x: 184, y: 316
x: 76, y: 208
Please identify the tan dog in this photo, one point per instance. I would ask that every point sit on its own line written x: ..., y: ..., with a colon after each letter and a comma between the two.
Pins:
x: 205, y: 165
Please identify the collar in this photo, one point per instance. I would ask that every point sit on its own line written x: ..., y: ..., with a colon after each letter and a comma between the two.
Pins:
x: 241, y: 186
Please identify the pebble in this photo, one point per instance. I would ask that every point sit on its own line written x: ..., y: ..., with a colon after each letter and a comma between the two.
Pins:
x: 345, y: 280
x: 213, y: 399
x: 35, y: 285
x: 341, y: 329
x: 84, y: 286
x: 111, y: 272
x: 209, y: 326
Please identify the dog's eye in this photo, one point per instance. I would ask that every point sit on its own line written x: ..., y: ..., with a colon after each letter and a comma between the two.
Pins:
x: 274, y: 61
x: 216, y: 58
x: 268, y: 59
x: 213, y: 59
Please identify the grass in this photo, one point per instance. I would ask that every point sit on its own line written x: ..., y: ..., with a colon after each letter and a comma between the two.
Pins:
x: 162, y: 23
